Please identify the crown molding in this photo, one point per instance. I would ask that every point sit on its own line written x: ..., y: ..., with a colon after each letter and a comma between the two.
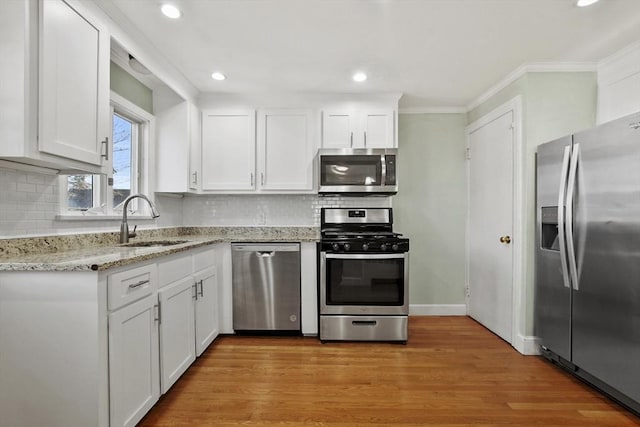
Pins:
x: 433, y: 110
x: 536, y: 67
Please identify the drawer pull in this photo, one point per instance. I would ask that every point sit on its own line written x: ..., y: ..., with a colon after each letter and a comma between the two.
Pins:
x: 364, y: 323
x: 137, y: 285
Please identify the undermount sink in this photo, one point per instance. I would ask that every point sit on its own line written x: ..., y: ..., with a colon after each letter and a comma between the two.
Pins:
x: 151, y: 243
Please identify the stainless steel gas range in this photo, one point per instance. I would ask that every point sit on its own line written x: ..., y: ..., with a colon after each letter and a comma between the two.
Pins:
x: 363, y: 276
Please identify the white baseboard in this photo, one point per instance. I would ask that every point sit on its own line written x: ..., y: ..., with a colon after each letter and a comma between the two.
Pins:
x: 527, y: 345
x: 438, y: 309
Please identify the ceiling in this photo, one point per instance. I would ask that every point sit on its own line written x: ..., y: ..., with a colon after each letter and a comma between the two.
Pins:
x: 438, y: 53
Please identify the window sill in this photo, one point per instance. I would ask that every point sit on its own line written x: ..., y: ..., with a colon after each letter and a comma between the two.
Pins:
x: 91, y: 217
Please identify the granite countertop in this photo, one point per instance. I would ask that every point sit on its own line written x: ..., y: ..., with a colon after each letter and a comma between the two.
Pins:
x: 101, y: 251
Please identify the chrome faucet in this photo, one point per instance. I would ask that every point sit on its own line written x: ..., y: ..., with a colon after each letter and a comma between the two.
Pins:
x: 124, y: 227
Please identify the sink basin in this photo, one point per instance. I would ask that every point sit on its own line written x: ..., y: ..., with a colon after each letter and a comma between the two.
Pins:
x: 152, y: 243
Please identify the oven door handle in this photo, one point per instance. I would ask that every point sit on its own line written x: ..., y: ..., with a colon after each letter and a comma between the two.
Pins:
x: 366, y: 256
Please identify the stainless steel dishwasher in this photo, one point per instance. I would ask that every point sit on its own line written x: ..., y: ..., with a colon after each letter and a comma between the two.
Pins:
x: 266, y: 286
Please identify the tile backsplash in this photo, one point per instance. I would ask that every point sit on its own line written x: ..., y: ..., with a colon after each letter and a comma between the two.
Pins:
x: 29, y: 204
x: 268, y: 210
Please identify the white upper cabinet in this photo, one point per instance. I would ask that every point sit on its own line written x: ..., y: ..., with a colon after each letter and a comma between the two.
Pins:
x: 280, y: 162
x: 178, y: 152
x: 228, y: 150
x: 338, y: 129
x: 285, y: 150
x: 57, y: 57
x: 619, y: 85
x: 74, y: 84
x: 378, y: 129
x: 358, y: 129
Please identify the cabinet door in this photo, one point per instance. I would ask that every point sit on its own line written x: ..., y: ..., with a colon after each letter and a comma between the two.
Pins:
x: 133, y: 362
x: 172, y: 154
x: 206, y: 308
x: 74, y: 83
x: 177, y: 335
x: 286, y: 150
x: 228, y: 150
x: 378, y: 130
x: 338, y: 129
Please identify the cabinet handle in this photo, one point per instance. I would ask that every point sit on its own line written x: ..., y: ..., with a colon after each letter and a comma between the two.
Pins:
x: 365, y: 139
x: 201, y: 289
x: 195, y: 177
x: 195, y: 287
x: 252, y: 179
x: 351, y: 139
x: 106, y: 148
x: 156, y: 312
x: 137, y: 285
x: 262, y: 179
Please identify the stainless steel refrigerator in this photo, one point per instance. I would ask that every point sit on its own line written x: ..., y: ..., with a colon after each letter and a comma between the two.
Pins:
x: 587, y: 292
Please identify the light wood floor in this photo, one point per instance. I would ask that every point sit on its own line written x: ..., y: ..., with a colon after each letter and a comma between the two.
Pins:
x: 453, y: 372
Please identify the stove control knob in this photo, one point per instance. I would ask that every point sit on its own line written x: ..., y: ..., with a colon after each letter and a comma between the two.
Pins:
x: 347, y: 246
x: 395, y: 247
x: 365, y: 246
x: 335, y: 246
x: 383, y: 247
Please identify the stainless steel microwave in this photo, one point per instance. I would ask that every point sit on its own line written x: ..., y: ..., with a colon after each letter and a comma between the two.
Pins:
x: 357, y: 171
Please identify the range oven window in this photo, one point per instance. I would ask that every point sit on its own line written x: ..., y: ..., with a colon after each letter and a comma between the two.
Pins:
x: 351, y: 170
x: 368, y: 282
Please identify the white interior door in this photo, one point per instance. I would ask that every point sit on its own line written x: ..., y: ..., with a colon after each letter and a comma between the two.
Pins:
x: 491, y: 177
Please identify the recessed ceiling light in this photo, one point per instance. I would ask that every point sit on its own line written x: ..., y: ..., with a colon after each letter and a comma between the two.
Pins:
x: 170, y: 11
x: 359, y: 77
x: 583, y: 3
x: 218, y: 76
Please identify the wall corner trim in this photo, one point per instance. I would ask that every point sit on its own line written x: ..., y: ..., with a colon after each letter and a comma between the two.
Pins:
x: 527, y: 345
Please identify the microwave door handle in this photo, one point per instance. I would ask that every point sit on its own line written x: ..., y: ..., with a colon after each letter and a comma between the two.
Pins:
x: 561, y: 216
x: 383, y: 161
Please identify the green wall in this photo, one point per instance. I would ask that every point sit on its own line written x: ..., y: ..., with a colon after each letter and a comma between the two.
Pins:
x: 430, y: 207
x: 554, y: 104
x: 124, y: 84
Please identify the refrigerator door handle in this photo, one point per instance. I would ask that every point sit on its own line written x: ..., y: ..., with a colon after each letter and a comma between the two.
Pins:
x: 571, y: 185
x: 561, y: 216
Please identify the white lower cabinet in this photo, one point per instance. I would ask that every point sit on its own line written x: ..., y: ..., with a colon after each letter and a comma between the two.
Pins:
x: 97, y: 348
x: 134, y: 374
x: 188, y: 306
x: 177, y: 331
x: 162, y: 316
x: 206, y: 308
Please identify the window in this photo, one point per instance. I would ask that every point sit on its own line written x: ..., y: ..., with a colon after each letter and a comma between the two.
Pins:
x: 91, y: 195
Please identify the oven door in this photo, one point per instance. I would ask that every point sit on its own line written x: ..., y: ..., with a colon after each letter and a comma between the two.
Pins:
x: 362, y: 284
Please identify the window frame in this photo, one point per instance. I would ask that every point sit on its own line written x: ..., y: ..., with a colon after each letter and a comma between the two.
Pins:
x: 141, y: 169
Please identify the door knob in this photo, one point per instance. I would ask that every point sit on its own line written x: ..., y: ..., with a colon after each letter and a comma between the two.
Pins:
x: 505, y: 239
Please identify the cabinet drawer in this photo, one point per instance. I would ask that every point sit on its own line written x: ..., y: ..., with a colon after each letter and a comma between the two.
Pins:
x: 130, y: 285
x: 204, y: 259
x: 173, y: 269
